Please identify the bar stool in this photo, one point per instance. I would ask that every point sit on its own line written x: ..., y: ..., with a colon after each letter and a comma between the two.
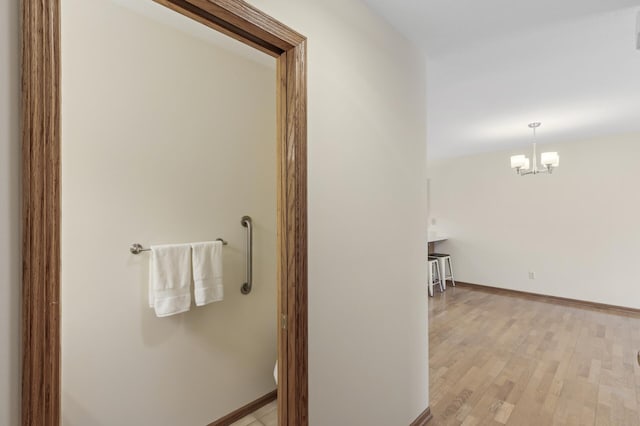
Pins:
x: 434, y: 270
x: 444, y: 260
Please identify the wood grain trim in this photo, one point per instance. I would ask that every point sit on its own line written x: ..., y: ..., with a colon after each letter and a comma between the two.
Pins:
x: 254, y: 21
x: 41, y: 199
x: 240, y: 21
x: 281, y: 242
x: 245, y: 410
x: 41, y: 212
x: 292, y: 116
x: 296, y: 152
x: 423, y: 418
x: 621, y: 310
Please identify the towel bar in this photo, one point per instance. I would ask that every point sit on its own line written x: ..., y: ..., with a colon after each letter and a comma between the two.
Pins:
x: 137, y: 248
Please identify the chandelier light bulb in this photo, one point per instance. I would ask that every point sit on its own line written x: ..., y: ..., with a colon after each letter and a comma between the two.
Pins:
x: 550, y: 159
x: 517, y: 161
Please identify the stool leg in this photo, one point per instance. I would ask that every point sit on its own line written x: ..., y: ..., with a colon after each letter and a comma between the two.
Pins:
x: 440, y: 276
x: 453, y: 282
x: 430, y: 280
x: 443, y: 269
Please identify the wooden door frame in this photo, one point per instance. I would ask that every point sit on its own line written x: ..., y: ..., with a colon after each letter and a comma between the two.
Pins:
x: 41, y: 197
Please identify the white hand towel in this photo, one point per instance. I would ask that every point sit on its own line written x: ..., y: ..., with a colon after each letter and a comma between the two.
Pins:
x: 170, y: 279
x: 207, y: 272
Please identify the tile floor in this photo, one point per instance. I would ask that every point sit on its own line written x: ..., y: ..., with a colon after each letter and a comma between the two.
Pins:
x: 265, y: 416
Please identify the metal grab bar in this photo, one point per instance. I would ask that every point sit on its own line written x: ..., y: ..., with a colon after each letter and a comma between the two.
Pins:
x: 246, y: 287
x: 137, y: 248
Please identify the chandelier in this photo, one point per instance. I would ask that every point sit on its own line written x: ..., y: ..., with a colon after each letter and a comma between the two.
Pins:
x: 523, y: 167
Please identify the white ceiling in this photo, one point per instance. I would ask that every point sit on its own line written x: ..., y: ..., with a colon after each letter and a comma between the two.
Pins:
x: 496, y: 65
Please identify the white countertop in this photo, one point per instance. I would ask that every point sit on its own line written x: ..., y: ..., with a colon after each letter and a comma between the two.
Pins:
x: 435, y: 238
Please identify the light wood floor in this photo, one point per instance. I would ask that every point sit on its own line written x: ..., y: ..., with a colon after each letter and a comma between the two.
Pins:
x: 497, y: 359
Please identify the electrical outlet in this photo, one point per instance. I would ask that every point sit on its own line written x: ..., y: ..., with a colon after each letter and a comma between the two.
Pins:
x: 532, y: 275
x: 433, y: 221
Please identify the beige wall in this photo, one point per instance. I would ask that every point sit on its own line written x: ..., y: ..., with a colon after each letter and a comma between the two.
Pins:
x: 576, y: 229
x: 367, y: 208
x: 166, y: 138
x: 10, y: 239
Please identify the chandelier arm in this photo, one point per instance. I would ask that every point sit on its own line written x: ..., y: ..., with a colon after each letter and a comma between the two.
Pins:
x: 548, y: 170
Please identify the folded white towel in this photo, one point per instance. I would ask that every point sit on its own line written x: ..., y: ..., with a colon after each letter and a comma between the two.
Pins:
x: 170, y: 279
x: 207, y: 272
